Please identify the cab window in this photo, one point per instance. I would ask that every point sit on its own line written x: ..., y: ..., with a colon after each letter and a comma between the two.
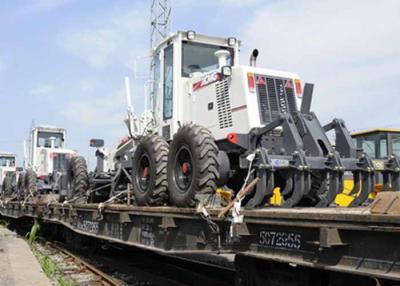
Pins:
x: 375, y: 145
x: 156, y: 81
x: 168, y: 82
x: 396, y: 144
x: 44, y: 139
x: 7, y: 162
x: 198, y: 57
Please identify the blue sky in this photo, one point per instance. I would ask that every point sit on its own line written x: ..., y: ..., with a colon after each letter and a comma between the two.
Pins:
x: 63, y: 62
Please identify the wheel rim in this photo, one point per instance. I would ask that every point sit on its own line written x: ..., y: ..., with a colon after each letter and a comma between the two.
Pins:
x: 143, y: 174
x: 183, y: 174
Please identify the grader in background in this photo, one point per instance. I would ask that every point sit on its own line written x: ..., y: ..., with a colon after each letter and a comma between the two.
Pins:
x: 50, y: 168
x: 380, y: 144
x: 8, y: 173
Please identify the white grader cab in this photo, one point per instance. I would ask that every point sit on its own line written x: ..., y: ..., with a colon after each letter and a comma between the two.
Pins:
x: 50, y: 167
x: 217, y: 123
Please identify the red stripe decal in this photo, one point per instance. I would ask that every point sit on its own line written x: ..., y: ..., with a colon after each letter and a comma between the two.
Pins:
x: 239, y: 108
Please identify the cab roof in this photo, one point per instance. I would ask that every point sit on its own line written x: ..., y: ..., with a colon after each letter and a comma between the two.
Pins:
x: 7, y: 154
x: 375, y: 130
x: 48, y: 128
x: 223, y: 41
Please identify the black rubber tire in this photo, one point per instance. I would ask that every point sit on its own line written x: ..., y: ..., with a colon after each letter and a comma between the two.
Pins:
x: 154, y: 149
x: 7, y: 186
x: 21, y: 186
x: 204, y: 166
x: 78, y: 178
x: 30, y: 186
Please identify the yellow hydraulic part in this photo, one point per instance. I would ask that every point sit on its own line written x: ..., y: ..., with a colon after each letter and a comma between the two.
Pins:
x: 343, y: 199
x: 276, y: 199
x: 225, y: 194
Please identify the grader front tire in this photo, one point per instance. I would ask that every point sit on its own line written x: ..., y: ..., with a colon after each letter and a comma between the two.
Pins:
x: 193, y: 165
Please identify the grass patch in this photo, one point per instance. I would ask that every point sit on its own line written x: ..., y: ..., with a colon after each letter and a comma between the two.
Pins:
x: 4, y: 223
x: 48, y: 265
x: 32, y: 235
x: 51, y: 269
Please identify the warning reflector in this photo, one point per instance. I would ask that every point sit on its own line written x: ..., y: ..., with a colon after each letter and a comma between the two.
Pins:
x: 261, y: 80
x: 289, y: 84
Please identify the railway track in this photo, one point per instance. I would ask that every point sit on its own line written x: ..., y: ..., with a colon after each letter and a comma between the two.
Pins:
x: 75, y: 269
x: 88, y: 263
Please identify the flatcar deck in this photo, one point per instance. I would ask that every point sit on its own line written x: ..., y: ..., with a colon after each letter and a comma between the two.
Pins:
x: 361, y: 240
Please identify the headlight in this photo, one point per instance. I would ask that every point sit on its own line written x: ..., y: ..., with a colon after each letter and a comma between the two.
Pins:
x: 232, y: 41
x: 226, y: 71
x: 190, y: 35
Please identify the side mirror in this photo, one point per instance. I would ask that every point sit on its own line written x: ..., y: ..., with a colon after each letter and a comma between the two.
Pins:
x: 97, y: 143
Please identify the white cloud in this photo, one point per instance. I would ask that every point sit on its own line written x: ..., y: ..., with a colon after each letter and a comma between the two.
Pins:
x: 95, y: 46
x: 96, y: 110
x: 349, y: 49
x: 45, y: 5
x: 43, y: 91
x: 238, y: 2
x: 107, y: 40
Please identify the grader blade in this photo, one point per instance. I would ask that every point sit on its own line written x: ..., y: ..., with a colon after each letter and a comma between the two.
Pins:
x: 307, y: 183
x: 335, y: 183
x: 288, y: 189
x: 367, y: 187
x: 324, y: 184
x: 265, y: 186
x: 356, y: 183
x: 263, y: 191
x: 298, y: 191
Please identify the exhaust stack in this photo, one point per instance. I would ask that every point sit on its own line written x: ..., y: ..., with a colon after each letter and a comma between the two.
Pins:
x: 253, y: 58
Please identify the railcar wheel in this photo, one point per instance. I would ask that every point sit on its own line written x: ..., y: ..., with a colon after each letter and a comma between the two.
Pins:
x: 193, y: 165
x: 149, y: 171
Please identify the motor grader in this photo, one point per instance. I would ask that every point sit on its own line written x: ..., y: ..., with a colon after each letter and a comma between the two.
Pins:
x: 50, y: 168
x: 8, y: 172
x: 216, y: 124
x: 380, y: 144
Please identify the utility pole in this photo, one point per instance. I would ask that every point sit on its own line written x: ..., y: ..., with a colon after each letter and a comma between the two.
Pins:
x: 160, y: 12
x: 160, y: 26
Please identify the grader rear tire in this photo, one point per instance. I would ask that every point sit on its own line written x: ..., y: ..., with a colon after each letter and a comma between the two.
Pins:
x: 193, y: 165
x: 7, y: 187
x: 21, y: 186
x: 30, y: 186
x: 78, y: 179
x: 149, y: 171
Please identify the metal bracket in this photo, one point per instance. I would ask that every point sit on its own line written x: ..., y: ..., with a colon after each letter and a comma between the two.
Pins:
x: 243, y: 230
x: 167, y: 222
x: 330, y: 237
x: 124, y: 217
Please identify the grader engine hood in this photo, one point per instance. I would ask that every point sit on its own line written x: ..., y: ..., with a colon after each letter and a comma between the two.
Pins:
x: 52, y: 160
x: 248, y: 97
x: 276, y: 93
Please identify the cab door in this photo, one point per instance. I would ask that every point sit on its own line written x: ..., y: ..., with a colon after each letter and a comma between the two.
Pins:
x: 167, y: 92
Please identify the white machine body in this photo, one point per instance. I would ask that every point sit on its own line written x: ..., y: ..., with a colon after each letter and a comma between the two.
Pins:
x: 7, y: 164
x: 198, y: 79
x: 45, y: 150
